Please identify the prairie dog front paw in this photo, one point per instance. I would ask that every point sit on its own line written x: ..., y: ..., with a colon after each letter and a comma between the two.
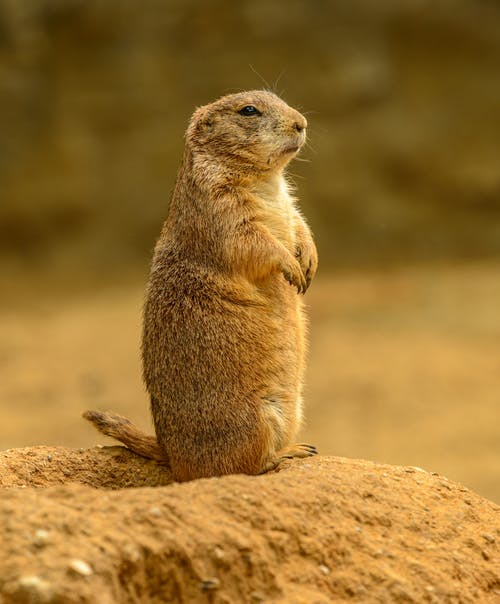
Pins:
x: 307, y: 257
x: 293, y: 274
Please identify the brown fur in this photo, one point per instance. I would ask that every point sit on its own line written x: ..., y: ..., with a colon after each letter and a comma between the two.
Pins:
x: 224, y: 333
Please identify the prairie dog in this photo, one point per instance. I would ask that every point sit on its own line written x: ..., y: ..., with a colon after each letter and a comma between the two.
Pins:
x: 224, y: 334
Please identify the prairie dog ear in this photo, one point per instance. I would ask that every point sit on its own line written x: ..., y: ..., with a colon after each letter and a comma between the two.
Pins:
x: 200, y: 126
x: 204, y: 119
x: 208, y: 124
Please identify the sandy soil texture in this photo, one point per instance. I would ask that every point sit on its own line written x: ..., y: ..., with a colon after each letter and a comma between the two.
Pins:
x: 321, y: 530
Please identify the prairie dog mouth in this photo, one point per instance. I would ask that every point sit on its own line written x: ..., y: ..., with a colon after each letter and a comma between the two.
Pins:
x: 291, y: 148
x: 293, y: 144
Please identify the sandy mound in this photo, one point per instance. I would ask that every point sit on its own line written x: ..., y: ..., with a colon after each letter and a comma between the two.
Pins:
x: 320, y: 530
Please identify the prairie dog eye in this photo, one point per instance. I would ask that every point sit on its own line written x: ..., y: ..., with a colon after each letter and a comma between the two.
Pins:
x: 249, y: 110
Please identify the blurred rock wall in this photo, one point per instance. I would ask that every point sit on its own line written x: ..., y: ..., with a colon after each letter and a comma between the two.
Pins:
x: 403, y: 100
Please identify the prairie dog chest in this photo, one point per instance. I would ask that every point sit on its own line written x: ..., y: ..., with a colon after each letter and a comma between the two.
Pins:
x: 276, y: 209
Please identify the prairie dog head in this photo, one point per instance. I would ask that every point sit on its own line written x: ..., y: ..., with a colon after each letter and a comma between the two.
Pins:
x: 247, y: 133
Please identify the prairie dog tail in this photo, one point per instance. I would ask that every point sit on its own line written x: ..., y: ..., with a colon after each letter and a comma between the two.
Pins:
x: 119, y: 427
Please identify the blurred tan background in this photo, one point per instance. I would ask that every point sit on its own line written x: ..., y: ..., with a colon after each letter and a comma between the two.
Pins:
x: 402, y: 190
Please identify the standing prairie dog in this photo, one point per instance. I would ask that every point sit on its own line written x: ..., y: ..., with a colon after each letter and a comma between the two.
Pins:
x: 223, y: 341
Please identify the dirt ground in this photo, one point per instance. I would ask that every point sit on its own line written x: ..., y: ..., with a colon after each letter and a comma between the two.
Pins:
x: 404, y: 368
x: 404, y: 365
x: 321, y: 530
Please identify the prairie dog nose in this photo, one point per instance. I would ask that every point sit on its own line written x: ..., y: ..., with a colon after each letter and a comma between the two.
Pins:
x: 300, y: 123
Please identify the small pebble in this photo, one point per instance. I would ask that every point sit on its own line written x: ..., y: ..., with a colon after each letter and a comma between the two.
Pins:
x: 489, y: 538
x: 210, y: 584
x: 132, y: 552
x: 80, y: 567
x: 324, y: 569
x: 155, y: 512
x: 41, y: 538
x: 219, y: 553
x: 35, y: 588
x: 30, y: 581
x: 49, y: 457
